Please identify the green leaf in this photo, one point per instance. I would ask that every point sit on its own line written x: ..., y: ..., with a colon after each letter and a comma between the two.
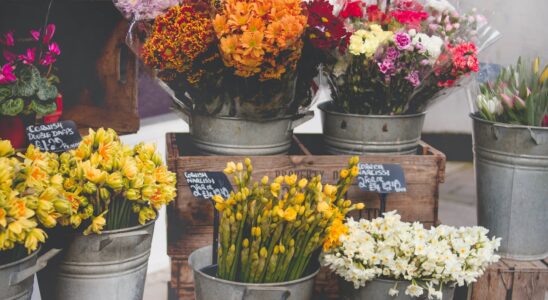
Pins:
x: 12, y: 107
x: 27, y: 82
x: 46, y: 91
x: 5, y: 92
x: 42, y: 109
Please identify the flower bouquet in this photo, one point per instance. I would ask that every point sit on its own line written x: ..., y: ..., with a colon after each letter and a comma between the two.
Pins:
x: 272, y: 231
x: 392, y: 58
x: 511, y: 157
x: 408, y: 258
x: 31, y: 200
x: 232, y: 65
x: 27, y: 81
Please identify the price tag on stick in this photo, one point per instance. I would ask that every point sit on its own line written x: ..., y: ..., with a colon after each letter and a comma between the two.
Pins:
x: 55, y: 137
x: 382, y: 179
x: 205, y: 185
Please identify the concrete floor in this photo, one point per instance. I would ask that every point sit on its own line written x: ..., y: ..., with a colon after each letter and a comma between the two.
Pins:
x: 457, y: 207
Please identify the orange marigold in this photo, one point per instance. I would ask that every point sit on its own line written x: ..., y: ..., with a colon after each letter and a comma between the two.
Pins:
x: 179, y: 37
x: 260, y: 37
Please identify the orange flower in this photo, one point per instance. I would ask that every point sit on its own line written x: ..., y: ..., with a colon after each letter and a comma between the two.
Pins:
x: 252, y: 42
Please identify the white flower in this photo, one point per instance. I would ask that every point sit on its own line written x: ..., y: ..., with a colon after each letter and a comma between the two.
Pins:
x: 413, y: 290
x: 431, y: 44
x: 491, y: 106
x: 440, y: 5
x: 393, y: 292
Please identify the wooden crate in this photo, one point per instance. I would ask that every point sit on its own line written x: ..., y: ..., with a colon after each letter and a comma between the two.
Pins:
x: 513, y: 280
x: 190, y: 220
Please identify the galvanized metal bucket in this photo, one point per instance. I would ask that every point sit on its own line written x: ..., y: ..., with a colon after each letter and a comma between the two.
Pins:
x: 377, y: 289
x: 17, y: 278
x: 215, y: 135
x: 109, y: 266
x: 208, y: 287
x: 512, y: 186
x: 370, y: 134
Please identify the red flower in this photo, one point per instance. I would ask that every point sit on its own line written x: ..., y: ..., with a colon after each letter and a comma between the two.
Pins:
x: 352, y: 9
x: 545, y: 122
x: 375, y: 15
x: 410, y: 18
x: 325, y: 30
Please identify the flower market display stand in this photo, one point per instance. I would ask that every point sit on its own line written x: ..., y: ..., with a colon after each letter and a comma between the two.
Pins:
x: 209, y: 287
x: 512, y: 280
x: 190, y: 220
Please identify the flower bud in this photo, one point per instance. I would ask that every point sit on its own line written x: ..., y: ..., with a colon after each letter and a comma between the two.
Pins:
x: 89, y: 188
x: 62, y: 206
x: 132, y: 194
x: 114, y: 181
x: 104, y: 194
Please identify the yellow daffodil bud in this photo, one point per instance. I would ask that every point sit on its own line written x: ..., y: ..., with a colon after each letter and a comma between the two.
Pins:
x: 354, y: 171
x: 45, y: 205
x: 62, y: 206
x: 34, y: 237
x: 105, y: 194
x: 263, y: 252
x: 292, y: 243
x: 301, y: 210
x: 239, y: 167
x: 258, y: 231
x: 239, y: 216
x: 347, y: 203
x: 114, y: 181
x: 360, y: 206
x: 129, y: 169
x: 329, y: 190
x: 75, y: 221
x: 323, y: 207
x: 47, y: 219
x: 344, y: 173
x: 279, y: 180
x: 302, y: 183
x: 146, y: 214
x: 264, y: 180
x: 132, y: 194
x: 276, y: 249
x: 282, y: 248
x: 97, y: 225
x: 291, y: 180
x: 230, y: 168
x: 6, y: 149
x: 245, y: 243
x: 232, y: 248
x: 247, y: 162
x: 275, y: 188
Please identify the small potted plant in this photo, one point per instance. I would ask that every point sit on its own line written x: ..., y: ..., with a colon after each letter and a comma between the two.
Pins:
x: 116, y: 192
x: 389, y: 259
x: 386, y: 64
x: 30, y: 201
x: 511, y: 158
x: 28, y: 89
x: 270, y: 235
x: 238, y: 78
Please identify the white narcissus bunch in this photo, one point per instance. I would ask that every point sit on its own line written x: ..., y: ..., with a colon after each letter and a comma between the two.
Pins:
x: 429, y: 259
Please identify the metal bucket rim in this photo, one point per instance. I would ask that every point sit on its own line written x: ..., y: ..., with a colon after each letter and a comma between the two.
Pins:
x: 22, y: 260
x: 128, y: 229
x: 243, y: 284
x: 267, y: 120
x: 388, y: 280
x: 325, y: 107
x: 506, y: 125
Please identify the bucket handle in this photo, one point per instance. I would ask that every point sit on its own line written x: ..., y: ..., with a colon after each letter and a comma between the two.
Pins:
x: 537, y: 138
x: 181, y: 109
x: 284, y: 292
x: 41, y: 262
x: 105, y: 241
x: 301, y: 119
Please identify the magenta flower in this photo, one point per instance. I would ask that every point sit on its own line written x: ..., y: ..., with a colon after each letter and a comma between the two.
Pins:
x: 392, y: 54
x: 54, y: 48
x: 29, y: 58
x: 8, y: 39
x: 48, y: 59
x: 9, y: 56
x: 386, y: 67
x: 403, y: 40
x: 6, y: 74
x: 35, y: 34
x: 48, y: 34
x: 414, y: 78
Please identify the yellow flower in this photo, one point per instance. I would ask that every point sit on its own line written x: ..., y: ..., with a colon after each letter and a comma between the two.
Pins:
x: 3, y: 220
x: 275, y: 188
x: 329, y: 190
x: 129, y: 168
x: 344, y: 173
x: 146, y: 214
x: 97, y: 225
x: 93, y: 174
x: 290, y: 214
x: 115, y: 181
x: 6, y: 148
x: 230, y: 168
x: 302, y: 183
x: 34, y: 237
x: 336, y: 229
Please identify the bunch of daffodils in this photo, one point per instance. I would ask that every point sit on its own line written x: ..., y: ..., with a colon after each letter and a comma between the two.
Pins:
x: 269, y: 231
x: 112, y: 185
x: 31, y: 197
x: 429, y: 259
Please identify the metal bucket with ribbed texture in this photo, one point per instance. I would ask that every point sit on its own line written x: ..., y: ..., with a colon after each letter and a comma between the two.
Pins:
x: 107, y: 266
x: 370, y: 134
x: 511, y: 164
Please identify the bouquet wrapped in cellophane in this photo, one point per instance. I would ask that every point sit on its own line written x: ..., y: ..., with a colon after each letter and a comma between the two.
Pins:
x: 270, y: 231
x: 31, y: 199
x: 395, y: 57
x: 235, y: 58
x: 516, y: 95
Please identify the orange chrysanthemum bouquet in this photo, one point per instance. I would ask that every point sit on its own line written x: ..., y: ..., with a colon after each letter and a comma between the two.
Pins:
x: 235, y: 58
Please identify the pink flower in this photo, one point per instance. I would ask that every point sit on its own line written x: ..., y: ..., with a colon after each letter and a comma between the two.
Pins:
x: 403, y: 40
x: 9, y: 56
x: 8, y: 39
x: 414, y: 78
x: 509, y: 101
x: 35, y: 34
x: 29, y: 57
x: 7, y: 76
x: 386, y: 67
x: 54, y: 48
x: 392, y: 54
x: 49, y: 32
x: 48, y: 59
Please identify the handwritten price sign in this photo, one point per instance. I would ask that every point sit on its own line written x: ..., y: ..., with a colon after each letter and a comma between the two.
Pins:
x: 382, y: 178
x: 55, y: 137
x: 208, y: 184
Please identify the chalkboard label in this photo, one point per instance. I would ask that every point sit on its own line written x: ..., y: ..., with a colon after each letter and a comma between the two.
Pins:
x: 54, y: 137
x: 382, y: 178
x: 208, y: 184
